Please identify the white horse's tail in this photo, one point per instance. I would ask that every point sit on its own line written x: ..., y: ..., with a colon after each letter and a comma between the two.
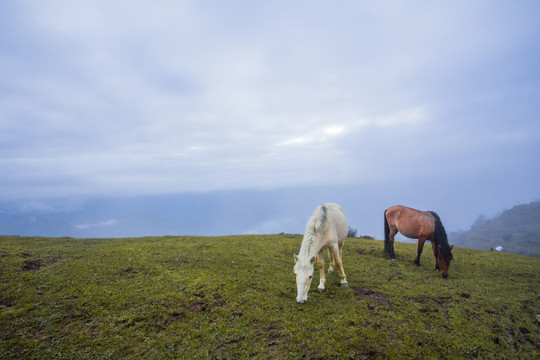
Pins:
x: 317, y: 222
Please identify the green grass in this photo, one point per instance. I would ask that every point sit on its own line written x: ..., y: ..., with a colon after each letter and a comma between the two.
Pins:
x: 234, y: 298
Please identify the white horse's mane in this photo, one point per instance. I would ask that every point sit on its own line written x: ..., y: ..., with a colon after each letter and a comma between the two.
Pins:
x: 315, y: 224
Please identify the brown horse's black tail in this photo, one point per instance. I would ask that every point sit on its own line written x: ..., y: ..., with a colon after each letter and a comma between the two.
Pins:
x: 387, y: 245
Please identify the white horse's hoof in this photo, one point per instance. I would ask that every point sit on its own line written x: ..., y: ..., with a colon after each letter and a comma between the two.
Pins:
x: 320, y: 290
x: 344, y: 284
x: 330, y: 271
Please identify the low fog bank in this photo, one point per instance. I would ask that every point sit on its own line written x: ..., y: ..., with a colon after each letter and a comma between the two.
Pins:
x: 240, y: 212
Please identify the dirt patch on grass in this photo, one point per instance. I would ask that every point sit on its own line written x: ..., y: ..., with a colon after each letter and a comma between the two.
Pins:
x: 440, y: 300
x: 198, y: 306
x: 4, y: 303
x: 366, y: 293
x: 34, y: 264
x: 130, y: 322
x: 365, y: 252
x: 372, y: 354
x: 272, y: 337
x: 269, y: 332
x: 129, y: 270
x: 203, y: 303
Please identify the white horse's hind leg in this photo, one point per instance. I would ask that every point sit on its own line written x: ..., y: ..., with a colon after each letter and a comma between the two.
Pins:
x: 332, y: 262
x: 336, y: 251
x: 320, y: 262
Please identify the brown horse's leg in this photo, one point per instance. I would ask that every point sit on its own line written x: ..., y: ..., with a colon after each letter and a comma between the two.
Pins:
x: 436, y: 254
x: 393, y: 232
x: 421, y: 242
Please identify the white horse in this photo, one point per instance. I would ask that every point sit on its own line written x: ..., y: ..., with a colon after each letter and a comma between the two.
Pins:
x: 326, y: 228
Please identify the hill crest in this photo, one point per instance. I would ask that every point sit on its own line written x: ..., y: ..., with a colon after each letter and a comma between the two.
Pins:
x: 516, y: 230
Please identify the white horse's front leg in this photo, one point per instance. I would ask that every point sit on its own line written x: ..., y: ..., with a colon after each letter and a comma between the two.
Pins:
x: 332, y: 262
x: 336, y: 253
x: 320, y: 262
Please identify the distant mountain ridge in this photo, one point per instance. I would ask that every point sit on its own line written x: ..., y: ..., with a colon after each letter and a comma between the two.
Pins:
x: 516, y: 230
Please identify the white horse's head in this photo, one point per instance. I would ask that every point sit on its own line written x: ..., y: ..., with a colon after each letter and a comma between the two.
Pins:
x: 304, y: 274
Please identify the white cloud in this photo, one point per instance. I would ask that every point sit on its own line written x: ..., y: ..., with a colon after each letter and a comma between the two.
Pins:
x: 167, y: 97
x: 269, y: 227
x: 406, y: 117
x: 35, y: 206
x: 109, y: 222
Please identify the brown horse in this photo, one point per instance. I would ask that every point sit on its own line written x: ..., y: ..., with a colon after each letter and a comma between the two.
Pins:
x: 421, y: 225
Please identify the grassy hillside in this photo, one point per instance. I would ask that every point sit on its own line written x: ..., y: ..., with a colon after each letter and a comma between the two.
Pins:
x: 517, y: 230
x: 234, y: 297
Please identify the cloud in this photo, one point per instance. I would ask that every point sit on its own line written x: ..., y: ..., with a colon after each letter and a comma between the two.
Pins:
x: 35, y: 206
x: 135, y: 98
x: 316, y: 136
x: 106, y: 223
x: 269, y: 227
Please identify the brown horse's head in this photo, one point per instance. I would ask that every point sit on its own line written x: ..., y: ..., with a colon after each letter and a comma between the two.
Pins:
x: 444, y: 255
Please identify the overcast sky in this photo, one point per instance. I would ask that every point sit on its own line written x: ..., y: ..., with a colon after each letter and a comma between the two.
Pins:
x: 130, y: 98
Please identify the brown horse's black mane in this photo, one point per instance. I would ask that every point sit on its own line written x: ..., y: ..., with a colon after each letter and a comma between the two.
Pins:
x: 440, y: 238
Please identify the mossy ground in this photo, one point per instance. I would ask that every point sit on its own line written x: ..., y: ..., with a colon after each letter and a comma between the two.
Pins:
x: 234, y: 297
